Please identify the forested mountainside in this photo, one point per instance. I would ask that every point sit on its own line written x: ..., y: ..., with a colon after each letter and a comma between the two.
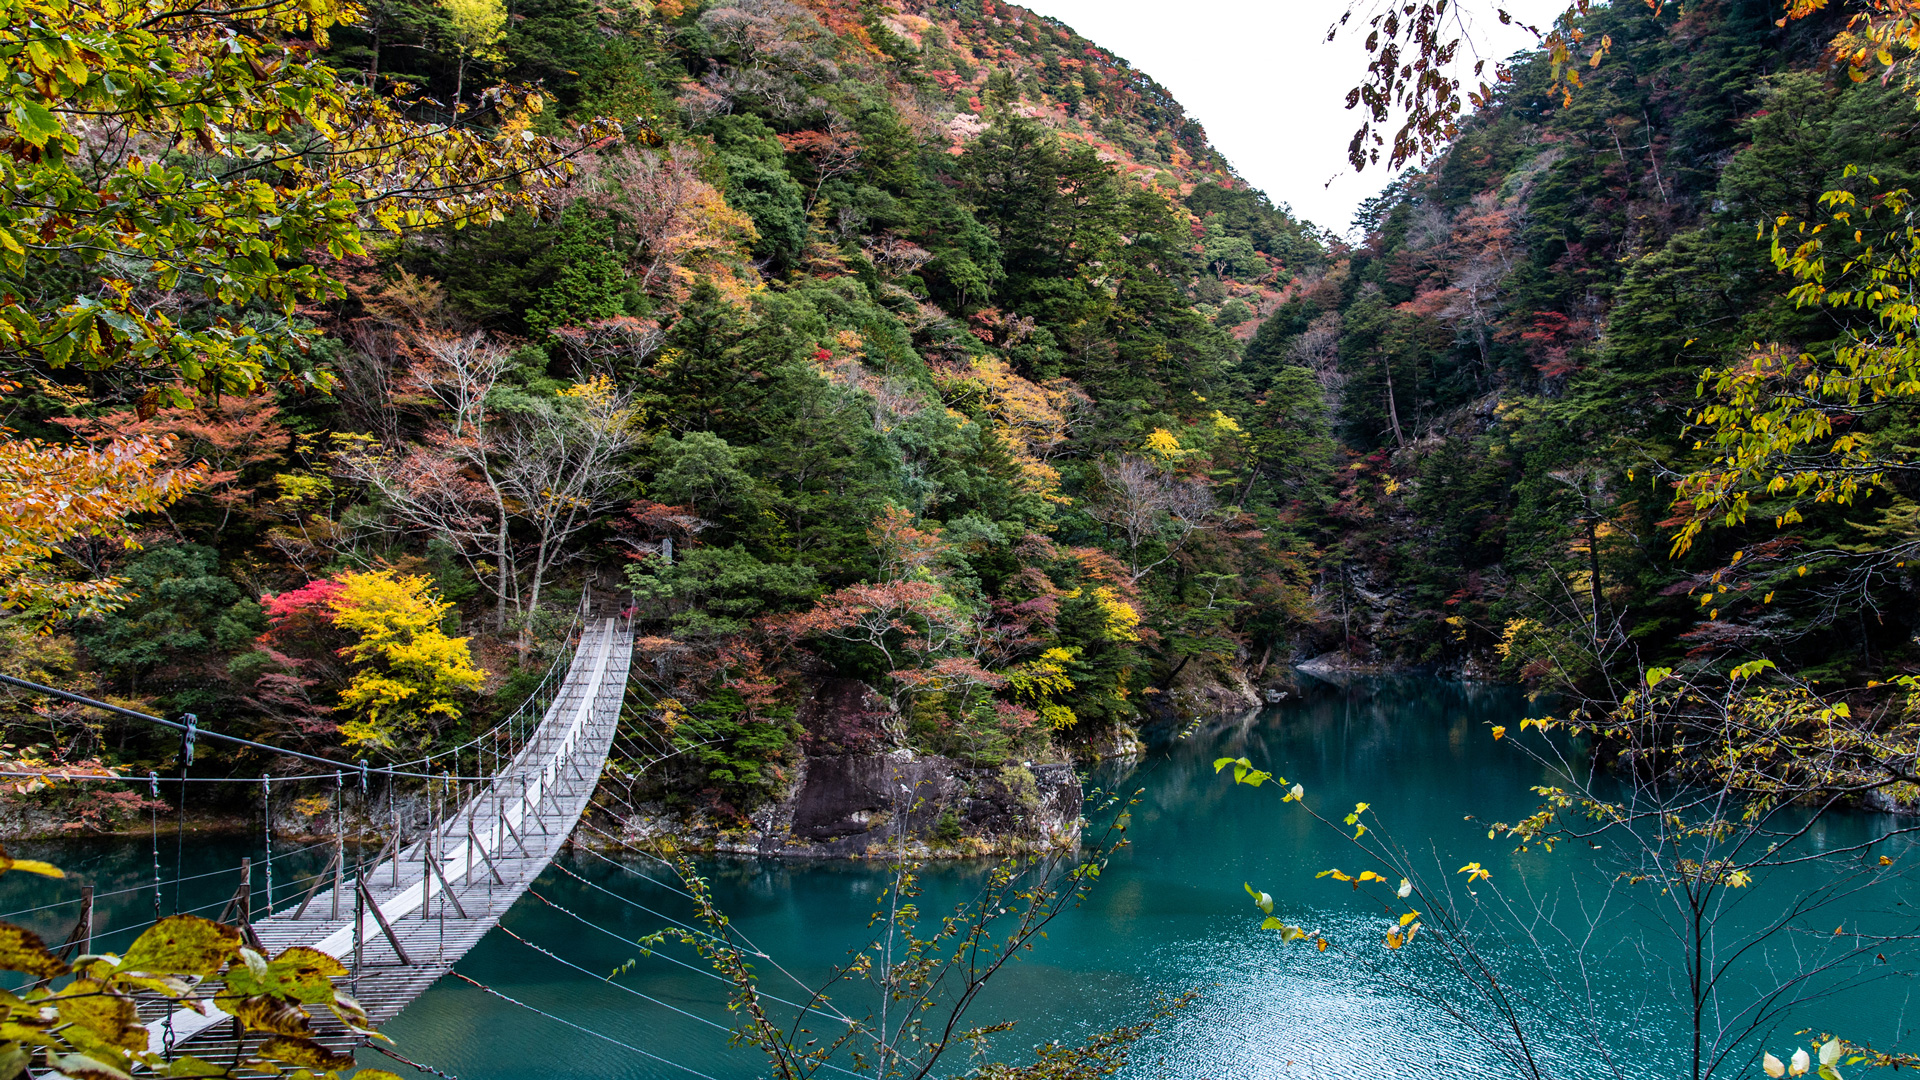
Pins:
x: 931, y: 347
x: 1517, y: 350
x: 892, y: 343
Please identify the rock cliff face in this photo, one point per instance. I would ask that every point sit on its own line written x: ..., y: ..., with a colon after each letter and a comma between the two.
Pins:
x: 851, y: 797
x: 857, y: 805
x: 1205, y: 689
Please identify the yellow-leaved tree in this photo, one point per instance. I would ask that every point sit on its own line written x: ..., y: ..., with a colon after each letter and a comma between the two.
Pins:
x: 410, y: 676
x: 479, y: 26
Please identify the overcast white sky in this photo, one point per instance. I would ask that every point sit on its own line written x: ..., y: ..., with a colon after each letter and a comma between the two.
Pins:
x: 1270, y: 90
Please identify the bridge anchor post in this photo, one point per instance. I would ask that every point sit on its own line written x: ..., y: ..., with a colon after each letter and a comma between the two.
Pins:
x: 241, y: 908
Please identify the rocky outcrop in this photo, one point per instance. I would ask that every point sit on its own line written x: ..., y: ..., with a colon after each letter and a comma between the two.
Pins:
x: 852, y: 797
x: 1203, y: 689
x: 863, y: 805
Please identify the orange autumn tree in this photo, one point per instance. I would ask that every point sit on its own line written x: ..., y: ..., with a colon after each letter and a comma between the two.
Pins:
x: 674, y: 226
x: 1033, y: 420
x: 225, y: 436
x: 51, y: 494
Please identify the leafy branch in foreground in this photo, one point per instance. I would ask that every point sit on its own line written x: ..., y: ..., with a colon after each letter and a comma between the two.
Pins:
x: 90, y: 1026
x: 1412, y: 47
x: 925, y: 973
x: 1711, y: 822
x: 1791, y: 430
x: 51, y: 494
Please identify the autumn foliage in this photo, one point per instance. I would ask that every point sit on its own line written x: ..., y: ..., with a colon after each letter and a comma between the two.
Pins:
x: 407, y: 677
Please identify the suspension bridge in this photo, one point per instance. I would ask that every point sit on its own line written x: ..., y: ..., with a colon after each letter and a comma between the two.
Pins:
x: 401, y: 920
x: 493, y: 814
x: 485, y: 820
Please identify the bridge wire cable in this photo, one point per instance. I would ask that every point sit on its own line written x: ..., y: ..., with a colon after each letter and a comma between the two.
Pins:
x: 656, y: 954
x: 665, y: 1005
x: 66, y: 777
x: 552, y: 667
x: 688, y: 927
x: 752, y: 946
x: 143, y: 888
x: 191, y: 730
x: 649, y: 879
x: 179, y: 825
x: 153, y: 809
x: 617, y: 986
x: 583, y: 1030
x: 410, y: 1063
x: 81, y: 699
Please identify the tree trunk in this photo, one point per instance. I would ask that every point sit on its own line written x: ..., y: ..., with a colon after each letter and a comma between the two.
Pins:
x: 1593, y: 571
x: 1393, y: 410
x: 503, y: 574
x: 525, y: 641
x: 373, y: 67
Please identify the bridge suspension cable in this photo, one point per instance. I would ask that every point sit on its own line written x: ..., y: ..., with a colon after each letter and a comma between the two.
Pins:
x: 583, y: 1030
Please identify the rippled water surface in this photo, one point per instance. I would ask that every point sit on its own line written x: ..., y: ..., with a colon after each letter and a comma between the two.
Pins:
x: 1169, y: 915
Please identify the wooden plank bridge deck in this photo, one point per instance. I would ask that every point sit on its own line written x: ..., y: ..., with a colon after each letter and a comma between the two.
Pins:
x: 444, y: 891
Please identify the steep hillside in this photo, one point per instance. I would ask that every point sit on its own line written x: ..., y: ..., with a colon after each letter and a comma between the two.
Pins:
x: 1517, y: 350
x: 892, y: 348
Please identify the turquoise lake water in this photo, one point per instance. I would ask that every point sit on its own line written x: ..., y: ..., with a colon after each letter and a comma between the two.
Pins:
x: 1168, y: 915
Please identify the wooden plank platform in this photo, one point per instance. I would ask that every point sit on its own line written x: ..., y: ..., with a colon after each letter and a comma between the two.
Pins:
x: 487, y: 852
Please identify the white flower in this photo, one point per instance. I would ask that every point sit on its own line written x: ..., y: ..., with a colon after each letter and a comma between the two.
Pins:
x: 1773, y: 1066
x: 1801, y: 1063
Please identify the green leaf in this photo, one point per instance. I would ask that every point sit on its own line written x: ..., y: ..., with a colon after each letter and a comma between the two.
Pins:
x: 304, y: 974
x: 183, y: 945
x: 13, y: 1060
x: 34, y: 122
x: 108, y: 1020
x: 264, y: 1012
x: 83, y: 1067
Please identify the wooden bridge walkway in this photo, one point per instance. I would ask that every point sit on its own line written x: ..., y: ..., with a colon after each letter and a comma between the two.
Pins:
x: 404, y: 921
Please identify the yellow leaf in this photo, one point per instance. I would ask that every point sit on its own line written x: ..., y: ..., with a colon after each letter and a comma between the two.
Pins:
x: 34, y: 866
